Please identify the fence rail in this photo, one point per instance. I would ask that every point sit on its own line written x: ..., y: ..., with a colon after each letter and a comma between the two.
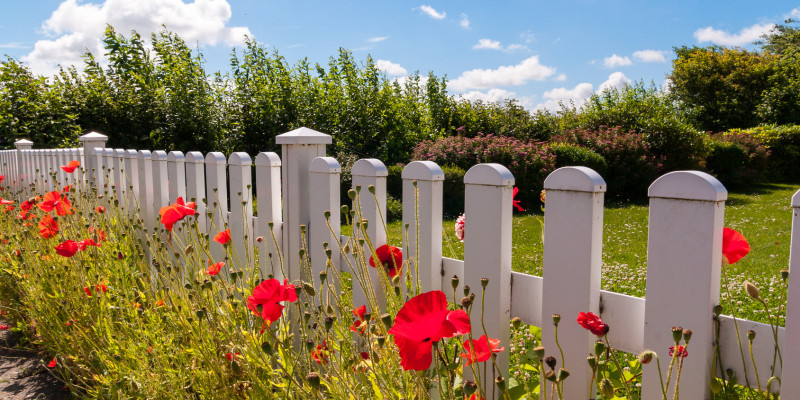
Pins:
x: 684, y: 241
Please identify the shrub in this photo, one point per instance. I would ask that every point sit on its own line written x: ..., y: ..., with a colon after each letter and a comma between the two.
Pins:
x: 573, y: 155
x: 783, y: 143
x: 631, y: 164
x: 736, y: 158
x: 530, y: 162
x: 453, y: 191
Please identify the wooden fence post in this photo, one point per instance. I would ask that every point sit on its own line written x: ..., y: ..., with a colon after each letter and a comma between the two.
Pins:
x: 790, y: 386
x: 423, y: 183
x: 325, y: 179
x: 573, y: 245
x: 684, y: 256
x: 268, y: 195
x: 240, y: 221
x: 216, y: 201
x: 90, y: 142
x: 298, y: 148
x: 132, y: 184
x: 196, y: 187
x: 487, y: 254
x: 23, y: 168
x: 371, y: 172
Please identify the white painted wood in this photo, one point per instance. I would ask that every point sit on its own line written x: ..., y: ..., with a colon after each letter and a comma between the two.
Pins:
x: 23, y: 167
x: 791, y: 351
x: 160, y: 183
x: 196, y: 187
x: 487, y: 254
x: 119, y: 175
x: 268, y: 195
x: 573, y: 244
x: 625, y: 315
x: 131, y: 172
x: 325, y: 179
x: 176, y: 173
x: 241, y: 190
x: 763, y: 347
x: 146, y: 211
x: 684, y: 256
x: 89, y: 142
x: 216, y: 201
x: 298, y: 148
x: 422, y: 212
x: 526, y: 298
x: 370, y: 172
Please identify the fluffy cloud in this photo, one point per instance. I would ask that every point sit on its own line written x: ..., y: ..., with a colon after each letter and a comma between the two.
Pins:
x: 509, y: 75
x: 795, y: 14
x: 484, y: 44
x: 578, y: 95
x: 650, y: 56
x: 390, y: 68
x: 464, y: 21
x: 76, y: 27
x: 497, y: 95
x: 745, y: 36
x: 561, y: 78
x: 431, y: 12
x: 616, y: 61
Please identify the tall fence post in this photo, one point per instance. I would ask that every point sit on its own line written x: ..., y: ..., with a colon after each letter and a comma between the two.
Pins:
x: 371, y: 172
x: 325, y: 179
x: 268, y: 195
x: 423, y: 183
x: 573, y: 244
x: 790, y: 387
x: 90, y: 142
x: 298, y: 147
x: 487, y: 254
x: 241, y: 190
x: 23, y: 168
x: 684, y: 260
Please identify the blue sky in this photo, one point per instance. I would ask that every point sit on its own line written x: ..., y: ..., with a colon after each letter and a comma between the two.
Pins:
x: 535, y: 51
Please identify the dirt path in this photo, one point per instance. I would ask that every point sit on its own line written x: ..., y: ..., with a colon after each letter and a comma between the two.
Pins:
x: 22, y: 375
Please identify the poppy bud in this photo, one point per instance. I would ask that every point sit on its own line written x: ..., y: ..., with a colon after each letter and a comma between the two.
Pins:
x: 266, y: 347
x: 454, y: 283
x: 397, y: 290
x: 646, y: 356
x: 592, y: 361
x: 188, y: 250
x: 466, y: 290
x: 309, y: 289
x: 371, y: 189
x: 550, y: 361
x: 470, y: 387
x: 731, y: 376
x: 351, y: 194
x: 259, y: 239
x: 516, y: 322
x: 466, y: 302
x: 785, y: 274
x: 365, y: 223
x: 562, y: 374
x: 751, y: 335
x: 396, y: 280
x: 550, y: 376
x: 718, y: 309
x: 328, y: 253
x: 347, y: 248
x: 313, y: 380
x: 329, y: 309
x: 606, y: 388
x: 328, y: 323
x: 387, y: 320
x: 677, y: 334
x: 302, y: 228
x: 599, y: 347
x: 472, y: 297
x: 751, y: 290
x: 301, y: 252
x: 687, y: 335
x: 271, y: 224
x: 306, y: 316
x: 309, y: 345
x: 556, y: 319
x: 484, y: 282
x: 538, y: 351
x: 501, y: 383
x: 322, y: 276
x: 298, y: 289
x: 327, y: 214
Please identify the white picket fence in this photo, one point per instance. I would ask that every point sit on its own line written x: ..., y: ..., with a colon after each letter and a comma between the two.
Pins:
x: 683, y: 263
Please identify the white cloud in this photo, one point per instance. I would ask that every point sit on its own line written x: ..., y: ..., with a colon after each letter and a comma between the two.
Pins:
x: 488, y: 44
x: 650, y: 55
x: 377, y: 39
x: 509, y: 75
x: 497, y: 95
x: 616, y: 61
x: 13, y: 45
x: 795, y: 14
x: 561, y: 78
x: 616, y: 80
x: 527, y: 37
x: 390, y: 68
x: 75, y: 27
x: 431, y: 12
x: 464, y: 21
x: 745, y: 36
x: 402, y: 80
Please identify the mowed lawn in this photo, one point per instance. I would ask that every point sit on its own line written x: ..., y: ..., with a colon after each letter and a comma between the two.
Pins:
x: 762, y: 212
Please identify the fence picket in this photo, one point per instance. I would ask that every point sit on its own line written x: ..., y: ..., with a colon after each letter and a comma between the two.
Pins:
x: 216, y: 201
x: 371, y: 172
x: 241, y: 193
x: 423, y: 183
x: 268, y: 194
x: 325, y: 179
x: 790, y: 388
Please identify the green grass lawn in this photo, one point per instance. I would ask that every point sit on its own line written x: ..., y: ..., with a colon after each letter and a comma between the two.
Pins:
x: 762, y: 213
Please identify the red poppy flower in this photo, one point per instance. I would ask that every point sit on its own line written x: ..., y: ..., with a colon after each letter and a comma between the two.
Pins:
x: 516, y: 202
x: 67, y: 248
x: 9, y: 209
x: 24, y: 215
x: 267, y: 296
x: 88, y: 291
x: 4, y: 201
x: 27, y: 205
x: 100, y: 288
x: 357, y: 323
x: 592, y: 323
x: 70, y: 168
x: 57, y: 201
x: 2, y: 177
x: 482, y: 349
x: 223, y: 237
x: 214, y: 269
x: 176, y: 212
x: 390, y: 257
x: 52, y: 363
x: 231, y: 357
x: 734, y: 245
x: 4, y: 327
x: 160, y: 303
x: 322, y: 352
x: 364, y: 355
x: 87, y: 242
x: 100, y: 210
x: 681, y: 351
x: 66, y: 189
x: 99, y: 234
x: 474, y: 396
x: 422, y: 320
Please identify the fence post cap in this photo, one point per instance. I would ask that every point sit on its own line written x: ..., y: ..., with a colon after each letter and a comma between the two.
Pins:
x: 688, y: 185
x: 240, y: 158
x: 215, y: 157
x: 423, y: 171
x: 325, y: 165
x: 159, y: 155
x: 131, y: 153
x: 23, y: 144
x: 576, y: 179
x: 303, y: 136
x: 268, y: 159
x: 489, y: 174
x: 108, y: 151
x: 119, y: 152
x: 93, y: 137
x: 144, y: 153
x: 195, y: 157
x: 176, y: 156
x: 369, y: 167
